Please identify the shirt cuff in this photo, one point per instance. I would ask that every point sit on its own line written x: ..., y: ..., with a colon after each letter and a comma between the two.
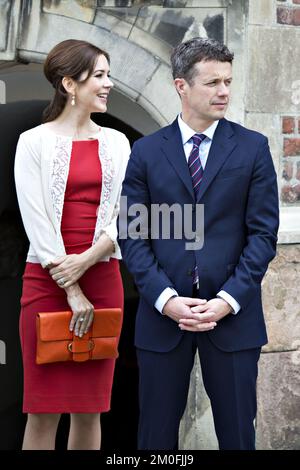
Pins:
x: 230, y: 300
x: 164, y: 297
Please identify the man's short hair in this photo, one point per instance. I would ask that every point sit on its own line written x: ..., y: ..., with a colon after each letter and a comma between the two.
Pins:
x: 187, y: 54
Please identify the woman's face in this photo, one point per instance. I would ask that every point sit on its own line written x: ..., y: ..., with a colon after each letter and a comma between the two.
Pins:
x: 92, y: 95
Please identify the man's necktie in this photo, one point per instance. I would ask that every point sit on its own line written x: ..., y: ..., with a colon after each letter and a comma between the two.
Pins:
x: 196, y: 172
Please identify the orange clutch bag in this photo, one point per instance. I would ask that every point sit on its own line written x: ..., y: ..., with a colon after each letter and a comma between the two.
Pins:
x: 56, y: 343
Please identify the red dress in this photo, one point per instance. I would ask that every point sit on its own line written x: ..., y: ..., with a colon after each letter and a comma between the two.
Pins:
x: 70, y: 387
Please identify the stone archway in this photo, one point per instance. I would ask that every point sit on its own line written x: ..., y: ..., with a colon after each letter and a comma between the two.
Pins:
x: 139, y: 36
x: 136, y: 71
x: 26, y: 82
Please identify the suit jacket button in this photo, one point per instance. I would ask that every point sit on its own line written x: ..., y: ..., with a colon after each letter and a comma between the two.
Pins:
x: 190, y: 272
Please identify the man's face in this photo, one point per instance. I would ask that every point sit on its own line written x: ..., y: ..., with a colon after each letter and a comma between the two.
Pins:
x: 207, y: 97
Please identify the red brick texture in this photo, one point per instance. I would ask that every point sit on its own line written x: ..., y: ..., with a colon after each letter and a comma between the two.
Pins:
x: 291, y: 147
x: 288, y: 15
x: 290, y: 162
x: 288, y: 125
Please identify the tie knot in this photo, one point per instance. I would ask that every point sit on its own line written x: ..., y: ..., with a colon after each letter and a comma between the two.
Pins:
x: 198, y: 138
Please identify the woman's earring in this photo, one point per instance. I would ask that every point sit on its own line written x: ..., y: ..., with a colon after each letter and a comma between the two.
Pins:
x: 73, y: 100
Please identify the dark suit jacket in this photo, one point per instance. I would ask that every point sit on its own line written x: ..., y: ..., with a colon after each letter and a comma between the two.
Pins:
x: 239, y: 193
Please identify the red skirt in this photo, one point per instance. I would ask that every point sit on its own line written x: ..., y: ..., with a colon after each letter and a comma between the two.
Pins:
x: 66, y: 387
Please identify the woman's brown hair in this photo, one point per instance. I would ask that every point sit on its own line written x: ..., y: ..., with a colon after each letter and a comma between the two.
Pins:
x: 69, y: 58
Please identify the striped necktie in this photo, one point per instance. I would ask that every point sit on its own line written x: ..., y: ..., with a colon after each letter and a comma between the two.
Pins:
x: 196, y: 172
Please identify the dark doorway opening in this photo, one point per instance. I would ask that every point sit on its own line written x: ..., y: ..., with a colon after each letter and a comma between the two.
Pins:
x: 119, y: 426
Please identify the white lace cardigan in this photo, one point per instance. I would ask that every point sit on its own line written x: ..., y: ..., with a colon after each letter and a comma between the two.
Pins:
x: 41, y: 172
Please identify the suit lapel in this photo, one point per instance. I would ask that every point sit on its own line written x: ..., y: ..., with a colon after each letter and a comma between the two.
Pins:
x: 222, y: 145
x: 173, y: 149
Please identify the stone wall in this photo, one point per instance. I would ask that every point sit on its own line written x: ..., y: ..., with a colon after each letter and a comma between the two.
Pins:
x: 271, y: 106
x: 278, y: 419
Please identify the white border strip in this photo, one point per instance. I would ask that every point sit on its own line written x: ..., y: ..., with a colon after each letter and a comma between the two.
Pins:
x: 289, y: 228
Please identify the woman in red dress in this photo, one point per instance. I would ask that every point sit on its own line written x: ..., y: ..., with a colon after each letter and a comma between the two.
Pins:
x: 68, y: 174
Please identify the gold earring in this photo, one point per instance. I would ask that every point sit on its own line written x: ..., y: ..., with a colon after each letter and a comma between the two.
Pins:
x: 73, y: 100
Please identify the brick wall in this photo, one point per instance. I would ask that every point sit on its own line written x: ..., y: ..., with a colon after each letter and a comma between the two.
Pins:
x: 288, y: 12
x: 290, y: 163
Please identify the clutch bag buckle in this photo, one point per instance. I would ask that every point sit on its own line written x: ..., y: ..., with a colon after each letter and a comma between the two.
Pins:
x: 90, y: 347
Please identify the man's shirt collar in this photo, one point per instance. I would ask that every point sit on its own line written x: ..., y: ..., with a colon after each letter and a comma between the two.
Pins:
x: 187, y: 132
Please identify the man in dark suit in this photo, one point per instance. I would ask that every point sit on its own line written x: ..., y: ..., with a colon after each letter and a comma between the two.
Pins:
x: 206, y: 299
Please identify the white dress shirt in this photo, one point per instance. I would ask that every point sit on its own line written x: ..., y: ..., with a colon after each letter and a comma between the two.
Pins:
x: 186, y: 135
